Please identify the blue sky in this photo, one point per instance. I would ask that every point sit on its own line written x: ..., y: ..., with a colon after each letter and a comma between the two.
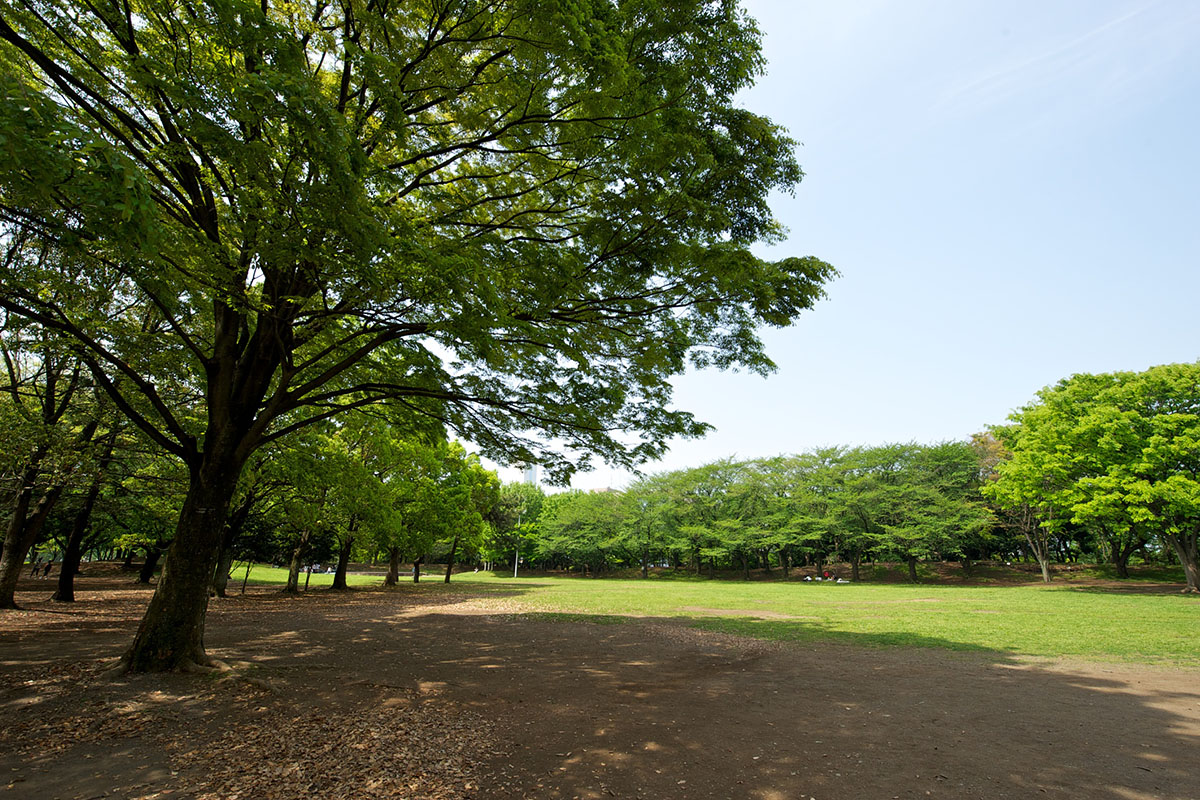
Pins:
x: 1011, y: 192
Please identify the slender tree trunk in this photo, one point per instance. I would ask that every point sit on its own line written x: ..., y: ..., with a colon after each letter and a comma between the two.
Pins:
x: 417, y: 569
x: 855, y: 559
x: 745, y: 566
x: 65, y: 592
x: 153, y: 554
x: 450, y: 558
x: 645, y: 563
x: 912, y: 568
x: 393, y: 573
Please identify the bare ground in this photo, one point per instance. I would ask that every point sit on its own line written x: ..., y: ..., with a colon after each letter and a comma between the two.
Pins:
x: 374, y: 694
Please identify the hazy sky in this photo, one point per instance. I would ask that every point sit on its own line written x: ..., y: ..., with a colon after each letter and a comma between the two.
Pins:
x: 1011, y: 192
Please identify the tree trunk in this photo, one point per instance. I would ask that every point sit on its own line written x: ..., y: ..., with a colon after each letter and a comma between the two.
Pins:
x: 855, y: 559
x: 171, y: 634
x: 293, y: 579
x: 23, y: 529
x: 745, y: 567
x: 73, y: 554
x: 339, y: 574
x: 645, y: 563
x: 233, y: 529
x: 220, y: 582
x: 1187, y: 549
x: 153, y: 554
x: 417, y: 569
x: 1121, y: 553
x: 912, y: 568
x: 450, y: 558
x: 966, y: 566
x: 393, y: 573
x: 784, y: 558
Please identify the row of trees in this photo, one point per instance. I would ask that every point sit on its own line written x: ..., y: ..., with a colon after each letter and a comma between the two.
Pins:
x: 1098, y: 467
x: 895, y: 502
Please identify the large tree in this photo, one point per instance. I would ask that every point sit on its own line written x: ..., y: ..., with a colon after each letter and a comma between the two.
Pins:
x: 520, y: 216
x: 1118, y: 451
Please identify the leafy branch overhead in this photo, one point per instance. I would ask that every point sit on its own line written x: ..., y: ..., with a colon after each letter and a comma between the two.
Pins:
x: 514, y: 216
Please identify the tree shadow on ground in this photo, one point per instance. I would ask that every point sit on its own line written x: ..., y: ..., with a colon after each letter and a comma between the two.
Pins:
x: 630, y: 708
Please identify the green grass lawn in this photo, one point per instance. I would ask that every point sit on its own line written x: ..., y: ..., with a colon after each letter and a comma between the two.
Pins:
x: 1050, y: 621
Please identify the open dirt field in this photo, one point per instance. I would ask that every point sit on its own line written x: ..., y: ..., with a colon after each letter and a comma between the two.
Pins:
x: 389, y: 694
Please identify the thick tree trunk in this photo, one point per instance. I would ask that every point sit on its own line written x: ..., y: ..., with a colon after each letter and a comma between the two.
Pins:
x: 343, y: 563
x: 912, y: 568
x: 171, y: 634
x: 393, y: 573
x: 1187, y: 549
x: 854, y: 562
x: 450, y: 558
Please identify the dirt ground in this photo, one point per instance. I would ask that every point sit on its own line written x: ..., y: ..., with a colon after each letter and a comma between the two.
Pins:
x: 374, y: 694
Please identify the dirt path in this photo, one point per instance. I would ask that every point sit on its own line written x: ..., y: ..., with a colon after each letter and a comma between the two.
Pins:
x: 376, y: 694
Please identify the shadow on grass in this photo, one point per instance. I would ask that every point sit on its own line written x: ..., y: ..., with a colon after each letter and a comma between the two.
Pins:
x: 815, y: 632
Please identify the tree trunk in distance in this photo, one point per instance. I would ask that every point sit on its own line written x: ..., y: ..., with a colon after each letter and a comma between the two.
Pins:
x: 417, y: 569
x: 966, y: 566
x: 23, y: 528
x: 293, y: 579
x: 912, y: 568
x: 450, y: 558
x: 221, y: 574
x: 339, y: 574
x: 393, y: 573
x: 149, y: 565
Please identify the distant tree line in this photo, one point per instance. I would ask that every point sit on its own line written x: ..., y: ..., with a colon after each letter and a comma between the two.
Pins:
x: 1099, y: 468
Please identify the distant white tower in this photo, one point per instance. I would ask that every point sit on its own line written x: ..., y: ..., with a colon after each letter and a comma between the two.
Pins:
x: 531, y: 474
